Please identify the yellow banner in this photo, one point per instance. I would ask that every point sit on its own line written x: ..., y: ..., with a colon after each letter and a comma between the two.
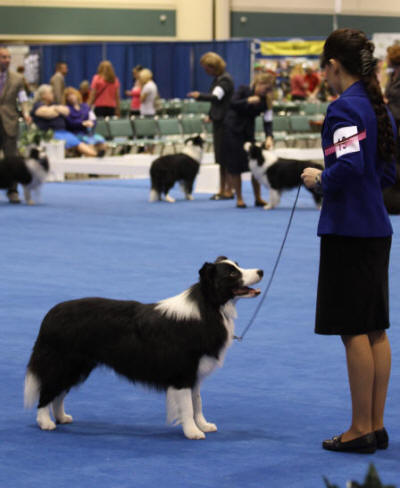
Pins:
x: 292, y: 48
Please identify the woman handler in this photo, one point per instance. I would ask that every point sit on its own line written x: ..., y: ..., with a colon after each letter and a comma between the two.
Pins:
x: 358, y: 140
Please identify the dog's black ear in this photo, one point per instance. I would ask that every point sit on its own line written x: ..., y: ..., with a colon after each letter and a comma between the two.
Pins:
x: 34, y: 153
x: 220, y: 258
x: 207, y: 272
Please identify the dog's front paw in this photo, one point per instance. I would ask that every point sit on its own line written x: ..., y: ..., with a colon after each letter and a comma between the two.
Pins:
x: 169, y: 199
x: 46, y: 424
x: 189, y: 197
x: 207, y: 426
x: 65, y: 419
x: 268, y: 206
x: 193, y: 432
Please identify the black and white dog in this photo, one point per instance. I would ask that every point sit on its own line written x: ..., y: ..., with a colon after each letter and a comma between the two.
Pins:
x: 30, y: 172
x: 166, y: 170
x: 171, y: 345
x: 276, y: 173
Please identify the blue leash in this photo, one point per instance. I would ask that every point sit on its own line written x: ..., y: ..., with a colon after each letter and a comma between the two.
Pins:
x: 264, y: 296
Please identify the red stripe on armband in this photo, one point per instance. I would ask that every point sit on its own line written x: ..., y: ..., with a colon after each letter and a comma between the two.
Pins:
x: 357, y: 137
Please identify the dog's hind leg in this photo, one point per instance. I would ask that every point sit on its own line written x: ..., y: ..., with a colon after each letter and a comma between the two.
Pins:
x: 180, y: 411
x: 154, y: 195
x: 187, y: 188
x: 58, y: 410
x: 201, y: 422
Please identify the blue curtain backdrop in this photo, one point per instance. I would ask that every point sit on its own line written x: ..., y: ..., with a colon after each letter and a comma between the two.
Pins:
x: 175, y: 65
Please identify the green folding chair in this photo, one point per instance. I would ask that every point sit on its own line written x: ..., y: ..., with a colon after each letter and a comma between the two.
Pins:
x: 121, y: 133
x: 170, y: 132
x: 146, y: 131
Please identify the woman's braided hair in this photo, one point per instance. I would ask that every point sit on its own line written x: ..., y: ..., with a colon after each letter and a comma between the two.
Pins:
x: 355, y: 52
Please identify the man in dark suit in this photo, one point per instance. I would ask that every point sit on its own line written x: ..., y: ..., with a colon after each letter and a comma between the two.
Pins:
x: 11, y: 91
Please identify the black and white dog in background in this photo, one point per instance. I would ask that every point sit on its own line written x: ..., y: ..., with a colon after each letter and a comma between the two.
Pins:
x: 276, y: 173
x: 171, y: 345
x: 30, y: 172
x: 166, y: 170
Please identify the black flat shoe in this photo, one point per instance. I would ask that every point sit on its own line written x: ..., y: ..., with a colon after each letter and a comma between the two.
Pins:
x: 382, y: 438
x: 241, y: 205
x: 260, y: 204
x: 365, y: 444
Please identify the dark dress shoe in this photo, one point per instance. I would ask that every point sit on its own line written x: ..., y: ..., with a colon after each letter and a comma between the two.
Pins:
x: 257, y: 203
x: 241, y: 205
x: 365, y: 444
x: 382, y: 438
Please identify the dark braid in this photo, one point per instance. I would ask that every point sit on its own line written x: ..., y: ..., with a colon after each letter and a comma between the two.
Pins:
x: 355, y: 52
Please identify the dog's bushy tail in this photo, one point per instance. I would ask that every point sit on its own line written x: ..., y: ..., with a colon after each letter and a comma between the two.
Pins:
x: 31, y: 390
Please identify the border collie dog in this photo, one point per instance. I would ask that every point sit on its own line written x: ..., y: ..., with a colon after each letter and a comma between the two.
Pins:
x: 166, y: 170
x: 171, y: 345
x: 277, y: 174
x: 30, y: 172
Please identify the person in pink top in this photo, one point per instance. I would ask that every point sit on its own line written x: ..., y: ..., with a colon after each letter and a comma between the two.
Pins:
x: 135, y: 92
x: 104, y: 95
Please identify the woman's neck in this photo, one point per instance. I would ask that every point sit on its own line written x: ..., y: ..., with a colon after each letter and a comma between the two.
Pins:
x: 347, y: 81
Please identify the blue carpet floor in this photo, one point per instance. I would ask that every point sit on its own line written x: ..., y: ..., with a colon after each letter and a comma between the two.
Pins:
x: 280, y: 393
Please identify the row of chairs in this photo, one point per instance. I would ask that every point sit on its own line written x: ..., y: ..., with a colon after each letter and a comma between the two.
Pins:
x: 172, y: 131
x: 293, y: 129
x: 173, y: 107
x: 134, y: 132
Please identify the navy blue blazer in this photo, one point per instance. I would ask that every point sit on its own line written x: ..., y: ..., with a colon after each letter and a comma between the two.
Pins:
x: 354, y: 174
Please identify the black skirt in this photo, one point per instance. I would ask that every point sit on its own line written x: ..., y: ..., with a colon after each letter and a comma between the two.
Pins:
x: 353, y: 290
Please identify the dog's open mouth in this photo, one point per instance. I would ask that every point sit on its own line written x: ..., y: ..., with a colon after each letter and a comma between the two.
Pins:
x: 246, y: 291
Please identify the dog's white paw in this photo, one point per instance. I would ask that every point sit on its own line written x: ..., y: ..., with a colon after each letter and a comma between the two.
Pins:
x: 193, y: 433
x: 65, y: 419
x: 154, y: 196
x: 30, y: 202
x: 268, y: 206
x: 207, y: 426
x: 46, y: 424
x: 169, y: 199
x: 189, y: 197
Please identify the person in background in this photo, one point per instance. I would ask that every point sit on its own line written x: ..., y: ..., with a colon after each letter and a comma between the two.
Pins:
x: 47, y: 115
x: 57, y: 81
x: 246, y: 104
x: 392, y: 91
x: 312, y: 81
x: 148, y: 93
x: 298, y: 86
x: 135, y: 91
x: 21, y: 71
x: 84, y: 90
x: 358, y: 140
x: 11, y: 92
x: 220, y: 94
x: 81, y: 121
x: 104, y: 94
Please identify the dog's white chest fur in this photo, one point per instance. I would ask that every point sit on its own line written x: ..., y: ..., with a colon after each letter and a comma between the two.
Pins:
x: 260, y: 172
x: 208, y: 364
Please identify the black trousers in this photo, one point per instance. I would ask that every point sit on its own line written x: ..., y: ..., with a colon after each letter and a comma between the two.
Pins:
x: 9, y: 147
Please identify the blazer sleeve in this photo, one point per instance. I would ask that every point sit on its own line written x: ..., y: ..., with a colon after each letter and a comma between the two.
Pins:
x: 344, y: 122
x: 240, y: 104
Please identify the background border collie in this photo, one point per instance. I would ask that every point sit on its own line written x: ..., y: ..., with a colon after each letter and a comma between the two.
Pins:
x: 30, y: 172
x: 277, y: 174
x: 166, y: 170
x: 171, y: 345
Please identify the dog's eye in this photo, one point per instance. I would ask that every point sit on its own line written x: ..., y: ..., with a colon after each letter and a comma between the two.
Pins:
x: 233, y: 273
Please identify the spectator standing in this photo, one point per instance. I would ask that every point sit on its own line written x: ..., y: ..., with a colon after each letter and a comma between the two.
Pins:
x: 312, y: 81
x: 135, y: 91
x: 84, y: 90
x: 104, y: 95
x: 148, y: 93
x: 392, y: 92
x: 11, y: 92
x: 220, y: 94
x: 298, y: 86
x: 57, y: 81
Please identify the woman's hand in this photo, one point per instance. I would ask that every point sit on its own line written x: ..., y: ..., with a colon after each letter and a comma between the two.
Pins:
x: 311, y: 177
x: 88, y: 123
x: 193, y: 94
x: 254, y: 99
